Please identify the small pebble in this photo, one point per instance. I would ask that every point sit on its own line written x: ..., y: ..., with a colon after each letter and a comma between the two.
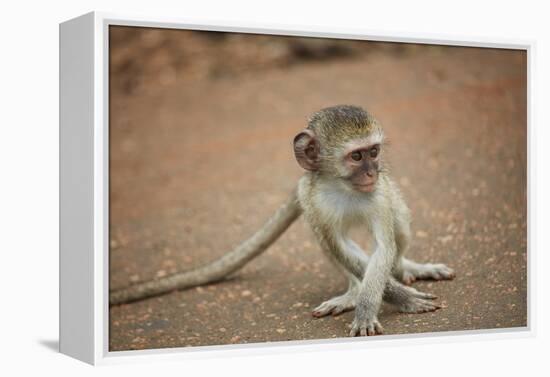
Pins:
x: 421, y: 234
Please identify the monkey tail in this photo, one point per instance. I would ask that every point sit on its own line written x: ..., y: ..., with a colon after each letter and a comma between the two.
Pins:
x: 220, y: 268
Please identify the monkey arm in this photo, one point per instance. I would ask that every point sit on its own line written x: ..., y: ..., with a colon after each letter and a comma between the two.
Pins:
x: 220, y: 268
x: 375, y: 279
x: 378, y: 283
x: 379, y: 269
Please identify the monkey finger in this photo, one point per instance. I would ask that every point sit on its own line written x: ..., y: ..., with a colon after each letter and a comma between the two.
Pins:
x: 358, y: 327
x: 378, y: 327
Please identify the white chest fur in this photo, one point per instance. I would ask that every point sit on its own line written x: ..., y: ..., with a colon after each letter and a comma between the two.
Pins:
x: 344, y: 207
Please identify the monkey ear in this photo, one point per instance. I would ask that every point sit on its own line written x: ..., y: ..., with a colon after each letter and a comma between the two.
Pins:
x: 306, y: 150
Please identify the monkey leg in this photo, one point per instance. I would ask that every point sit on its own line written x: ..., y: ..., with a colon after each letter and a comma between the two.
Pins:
x: 406, y: 299
x: 408, y: 271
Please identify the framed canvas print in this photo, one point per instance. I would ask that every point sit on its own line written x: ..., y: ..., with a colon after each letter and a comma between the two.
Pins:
x: 228, y: 189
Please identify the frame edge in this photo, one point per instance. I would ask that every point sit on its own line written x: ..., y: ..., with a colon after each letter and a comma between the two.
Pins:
x: 76, y: 188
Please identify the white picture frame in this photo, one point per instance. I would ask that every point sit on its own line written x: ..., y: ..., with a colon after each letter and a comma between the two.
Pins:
x: 84, y: 182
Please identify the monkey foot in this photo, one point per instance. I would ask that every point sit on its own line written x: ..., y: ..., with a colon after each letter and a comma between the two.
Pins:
x: 414, y: 301
x: 335, y: 306
x: 428, y: 271
x: 418, y: 305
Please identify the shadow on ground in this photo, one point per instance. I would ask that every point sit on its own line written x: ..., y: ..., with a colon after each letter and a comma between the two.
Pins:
x: 52, y: 345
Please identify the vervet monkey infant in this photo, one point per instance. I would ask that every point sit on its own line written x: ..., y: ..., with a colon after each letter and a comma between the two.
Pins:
x: 345, y: 186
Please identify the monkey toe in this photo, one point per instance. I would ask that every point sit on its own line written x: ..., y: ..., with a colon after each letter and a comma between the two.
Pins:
x: 442, y: 272
x: 321, y: 311
x: 335, y: 306
x: 408, y: 278
x: 325, y: 310
x: 339, y: 310
x: 419, y: 306
x: 422, y: 295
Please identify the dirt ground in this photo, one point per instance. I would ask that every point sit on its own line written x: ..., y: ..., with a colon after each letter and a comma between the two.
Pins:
x: 201, y: 157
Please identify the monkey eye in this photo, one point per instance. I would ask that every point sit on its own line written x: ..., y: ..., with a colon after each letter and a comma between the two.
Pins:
x: 373, y: 152
x: 356, y: 156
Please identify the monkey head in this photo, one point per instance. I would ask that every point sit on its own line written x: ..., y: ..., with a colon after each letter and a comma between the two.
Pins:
x: 342, y: 142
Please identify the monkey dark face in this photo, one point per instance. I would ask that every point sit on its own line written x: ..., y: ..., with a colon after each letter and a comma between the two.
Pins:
x: 363, y: 165
x: 356, y: 162
x: 342, y: 142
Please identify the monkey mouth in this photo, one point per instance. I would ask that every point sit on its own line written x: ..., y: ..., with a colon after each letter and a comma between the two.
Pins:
x: 365, y: 187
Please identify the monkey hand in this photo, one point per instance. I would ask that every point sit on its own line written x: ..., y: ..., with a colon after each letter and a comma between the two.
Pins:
x: 365, y: 323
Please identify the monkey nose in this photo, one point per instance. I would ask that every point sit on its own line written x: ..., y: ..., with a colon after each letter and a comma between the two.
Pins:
x: 370, y: 173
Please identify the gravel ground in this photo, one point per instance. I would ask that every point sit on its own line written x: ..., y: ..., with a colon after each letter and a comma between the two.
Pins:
x: 198, y: 163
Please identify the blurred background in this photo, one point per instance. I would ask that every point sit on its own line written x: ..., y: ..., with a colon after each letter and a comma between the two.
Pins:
x: 146, y: 58
x: 201, y: 125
